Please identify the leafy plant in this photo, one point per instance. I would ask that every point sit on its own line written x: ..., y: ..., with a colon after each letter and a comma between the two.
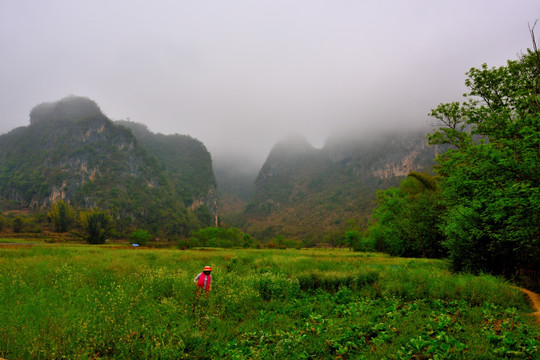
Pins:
x: 490, y: 176
x: 62, y: 216
x: 221, y: 237
x: 140, y: 237
x: 407, y: 219
x: 97, y: 226
x: 82, y: 302
x: 18, y: 224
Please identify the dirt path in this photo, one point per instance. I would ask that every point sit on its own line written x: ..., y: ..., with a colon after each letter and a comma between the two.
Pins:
x: 535, y: 300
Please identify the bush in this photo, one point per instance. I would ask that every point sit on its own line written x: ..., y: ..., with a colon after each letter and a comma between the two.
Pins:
x: 333, y: 281
x: 62, y: 216
x: 18, y: 224
x: 271, y: 287
x: 221, y: 237
x: 140, y: 237
x: 2, y: 222
x: 97, y: 226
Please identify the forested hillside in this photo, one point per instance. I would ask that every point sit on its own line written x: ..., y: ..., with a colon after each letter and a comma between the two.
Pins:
x: 309, y: 193
x: 187, y: 164
x: 71, y: 151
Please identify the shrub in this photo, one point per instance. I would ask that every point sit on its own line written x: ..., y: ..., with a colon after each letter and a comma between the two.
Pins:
x: 18, y: 224
x: 333, y: 281
x: 271, y: 287
x: 2, y: 222
x: 62, y: 216
x: 221, y: 237
x: 97, y: 226
x: 140, y: 237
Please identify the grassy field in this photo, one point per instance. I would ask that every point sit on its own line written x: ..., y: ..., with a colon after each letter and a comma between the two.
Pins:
x: 84, y: 302
x: 18, y: 241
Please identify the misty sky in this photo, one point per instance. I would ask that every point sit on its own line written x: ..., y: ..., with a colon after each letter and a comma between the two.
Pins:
x: 240, y: 75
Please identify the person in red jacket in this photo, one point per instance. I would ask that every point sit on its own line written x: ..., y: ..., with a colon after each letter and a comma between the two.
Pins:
x: 203, y: 280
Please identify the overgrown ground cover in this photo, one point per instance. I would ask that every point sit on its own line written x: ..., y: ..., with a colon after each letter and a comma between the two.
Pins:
x: 16, y: 240
x: 83, y: 302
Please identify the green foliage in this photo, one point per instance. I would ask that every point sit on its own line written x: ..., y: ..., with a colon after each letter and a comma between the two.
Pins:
x: 69, y: 108
x: 204, y: 216
x: 185, y: 161
x: 407, y: 219
x: 303, y: 192
x: 334, y: 281
x: 428, y: 182
x: 220, y: 237
x: 97, y: 226
x: 62, y: 216
x: 352, y: 238
x: 81, y: 302
x: 18, y: 224
x: 72, y: 148
x: 140, y: 236
x: 247, y: 241
x: 491, y: 176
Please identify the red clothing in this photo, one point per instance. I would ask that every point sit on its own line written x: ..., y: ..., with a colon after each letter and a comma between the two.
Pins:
x: 204, y: 280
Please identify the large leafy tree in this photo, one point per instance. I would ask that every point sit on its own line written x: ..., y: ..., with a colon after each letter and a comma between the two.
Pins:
x: 407, y: 219
x: 491, y: 174
x: 96, y: 225
x: 61, y: 216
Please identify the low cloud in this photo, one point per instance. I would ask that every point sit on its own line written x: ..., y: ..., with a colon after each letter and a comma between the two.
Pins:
x: 241, y: 75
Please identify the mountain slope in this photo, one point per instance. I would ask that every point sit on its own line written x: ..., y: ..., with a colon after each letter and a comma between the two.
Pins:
x: 186, y: 162
x: 72, y: 151
x: 305, y: 193
x: 235, y: 176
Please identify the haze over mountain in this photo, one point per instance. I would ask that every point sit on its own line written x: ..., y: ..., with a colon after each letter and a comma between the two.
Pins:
x: 308, y: 193
x: 166, y: 183
x: 71, y: 151
x: 241, y: 75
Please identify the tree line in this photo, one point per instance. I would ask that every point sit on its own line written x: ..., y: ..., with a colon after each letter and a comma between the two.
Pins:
x: 481, y: 209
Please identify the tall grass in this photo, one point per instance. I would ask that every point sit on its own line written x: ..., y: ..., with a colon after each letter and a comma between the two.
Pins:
x: 82, y: 302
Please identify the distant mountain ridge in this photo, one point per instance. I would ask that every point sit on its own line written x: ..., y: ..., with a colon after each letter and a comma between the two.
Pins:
x: 307, y: 193
x: 72, y: 151
x: 166, y: 183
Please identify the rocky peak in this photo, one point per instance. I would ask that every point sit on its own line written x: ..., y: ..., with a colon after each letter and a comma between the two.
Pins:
x: 69, y: 108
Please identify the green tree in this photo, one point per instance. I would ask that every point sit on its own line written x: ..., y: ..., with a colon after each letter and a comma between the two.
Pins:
x: 18, y: 224
x: 62, y: 216
x: 204, y: 216
x: 491, y: 174
x: 407, y: 219
x: 140, y: 237
x: 247, y: 241
x: 220, y: 237
x: 2, y: 222
x: 352, y: 237
x: 97, y: 226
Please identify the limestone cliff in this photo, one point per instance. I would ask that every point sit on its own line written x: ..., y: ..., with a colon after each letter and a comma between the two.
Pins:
x: 303, y: 192
x: 72, y: 151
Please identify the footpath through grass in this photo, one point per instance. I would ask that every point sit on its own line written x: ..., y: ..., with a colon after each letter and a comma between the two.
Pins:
x: 82, y: 302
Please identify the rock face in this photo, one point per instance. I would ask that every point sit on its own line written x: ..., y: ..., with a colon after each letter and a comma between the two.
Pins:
x: 303, y: 192
x: 187, y: 164
x: 71, y: 151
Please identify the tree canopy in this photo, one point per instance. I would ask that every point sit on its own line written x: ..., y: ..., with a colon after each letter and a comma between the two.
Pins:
x: 62, y: 216
x: 491, y: 174
x: 407, y: 219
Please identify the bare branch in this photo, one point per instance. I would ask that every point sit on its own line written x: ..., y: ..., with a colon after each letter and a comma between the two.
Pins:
x: 535, y: 46
x: 531, y: 30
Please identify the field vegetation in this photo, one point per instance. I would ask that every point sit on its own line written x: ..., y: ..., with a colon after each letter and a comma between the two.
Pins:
x: 96, y: 302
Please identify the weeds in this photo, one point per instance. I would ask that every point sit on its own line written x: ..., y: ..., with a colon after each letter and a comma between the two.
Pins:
x: 81, y: 302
